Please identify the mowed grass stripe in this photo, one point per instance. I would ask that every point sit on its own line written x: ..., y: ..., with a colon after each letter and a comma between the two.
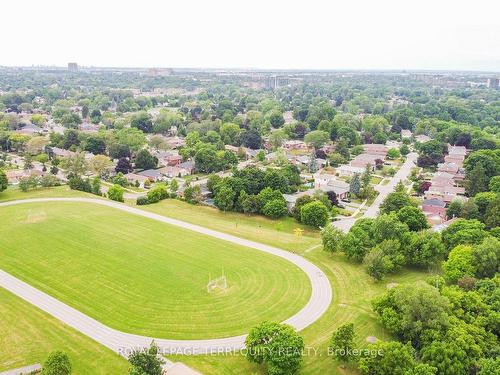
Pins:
x: 143, y: 276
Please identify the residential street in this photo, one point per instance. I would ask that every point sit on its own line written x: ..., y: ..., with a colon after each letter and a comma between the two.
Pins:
x: 384, y: 190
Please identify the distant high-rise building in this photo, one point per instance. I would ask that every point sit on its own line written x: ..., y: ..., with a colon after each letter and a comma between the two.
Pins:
x: 72, y: 66
x: 274, y: 82
x: 493, y: 83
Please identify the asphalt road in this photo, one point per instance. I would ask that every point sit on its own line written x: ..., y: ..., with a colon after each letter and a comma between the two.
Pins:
x: 122, y: 342
x: 383, y: 190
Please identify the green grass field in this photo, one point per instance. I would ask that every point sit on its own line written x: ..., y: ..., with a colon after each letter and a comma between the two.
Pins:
x: 143, y: 276
x: 28, y: 335
x: 279, y: 233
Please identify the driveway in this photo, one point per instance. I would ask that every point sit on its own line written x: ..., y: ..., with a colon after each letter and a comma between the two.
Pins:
x: 122, y: 342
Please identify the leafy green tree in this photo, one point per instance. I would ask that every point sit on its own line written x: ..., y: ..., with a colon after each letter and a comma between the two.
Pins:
x: 144, y: 160
x: 384, y: 258
x: 492, y: 214
x: 142, y: 121
x: 494, y: 184
x: 4, y: 182
x: 276, y: 119
x: 342, y: 343
x: 174, y: 186
x: 299, y: 203
x: 277, y: 346
x: 460, y: 263
x: 424, y: 250
x: 413, y: 312
x: 115, y: 193
x: 476, y: 180
x: 463, y: 232
x: 413, y: 217
x: 132, y: 137
x: 316, y: 138
x: 224, y: 199
x: 75, y: 164
x: 393, y: 153
x: 275, y: 208
x: 331, y: 238
x: 482, y: 201
x: 454, y: 209
x: 146, y: 362
x: 359, y: 240
x: 394, y: 202
x: 57, y: 363
x: 486, y: 258
x: 385, y: 358
x: 314, y: 214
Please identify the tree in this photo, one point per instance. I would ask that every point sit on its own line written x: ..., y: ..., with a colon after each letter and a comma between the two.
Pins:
x: 99, y: 164
x: 394, y: 202
x: 95, y: 145
x: 275, y: 208
x: 331, y: 238
x: 132, y: 137
x: 277, y: 346
x: 57, y: 363
x: 115, y: 193
x: 476, y: 180
x: 75, y: 164
x: 144, y: 160
x: 463, y: 231
x: 142, y: 121
x: 192, y: 194
x: 224, y: 199
x: 123, y: 166
x: 276, y: 119
x: 342, y: 343
x: 355, y: 185
x: 404, y: 150
x: 460, y: 263
x: 251, y: 139
x: 299, y: 203
x: 146, y: 362
x: 314, y: 214
x: 492, y: 215
x: 230, y: 133
x: 174, y: 186
x: 359, y: 240
x: 413, y: 217
x: 385, y: 358
x: 313, y: 164
x: 424, y: 250
x: 482, y: 202
x: 393, y: 153
x: 454, y: 209
x: 3, y: 181
x: 494, y: 184
x: 316, y: 138
x: 413, y: 312
x: 486, y: 258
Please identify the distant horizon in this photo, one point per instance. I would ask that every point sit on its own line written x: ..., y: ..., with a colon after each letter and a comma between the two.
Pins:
x: 256, y: 69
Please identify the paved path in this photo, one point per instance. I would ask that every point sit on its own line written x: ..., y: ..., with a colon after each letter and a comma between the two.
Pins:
x: 121, y: 342
x: 383, y: 190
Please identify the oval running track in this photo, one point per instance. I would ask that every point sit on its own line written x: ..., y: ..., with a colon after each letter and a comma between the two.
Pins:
x: 123, y: 343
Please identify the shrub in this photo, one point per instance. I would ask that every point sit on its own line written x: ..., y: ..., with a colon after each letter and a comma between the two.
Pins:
x: 142, y: 200
x: 57, y: 363
x: 115, y: 193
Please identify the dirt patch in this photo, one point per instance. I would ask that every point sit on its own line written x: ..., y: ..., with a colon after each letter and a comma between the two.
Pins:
x: 391, y: 285
x: 371, y: 339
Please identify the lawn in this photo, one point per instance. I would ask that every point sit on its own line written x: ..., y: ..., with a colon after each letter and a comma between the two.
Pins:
x: 143, y: 276
x: 353, y: 291
x: 28, y: 335
x: 13, y: 193
x: 257, y: 228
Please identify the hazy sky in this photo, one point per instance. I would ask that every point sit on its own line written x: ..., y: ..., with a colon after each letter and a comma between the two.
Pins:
x: 309, y: 34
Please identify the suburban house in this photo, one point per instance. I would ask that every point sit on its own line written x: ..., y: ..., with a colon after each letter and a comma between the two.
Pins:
x: 376, y: 149
x: 152, y: 175
x: 61, y: 153
x: 88, y: 128
x: 327, y: 182
x: 13, y: 176
x: 168, y: 158
x: 422, y: 138
x: 362, y: 160
x: 188, y: 166
x: 173, y: 171
x: 446, y: 193
x: 349, y: 170
x: 29, y: 129
x: 457, y: 150
x: 133, y: 177
x: 175, y: 142
x: 456, y: 159
x: 434, y: 210
x: 295, y: 145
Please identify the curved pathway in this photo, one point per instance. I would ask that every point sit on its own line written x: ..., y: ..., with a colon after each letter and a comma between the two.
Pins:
x: 123, y: 343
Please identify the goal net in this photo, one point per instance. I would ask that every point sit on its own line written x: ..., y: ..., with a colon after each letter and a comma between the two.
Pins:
x: 217, y: 284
